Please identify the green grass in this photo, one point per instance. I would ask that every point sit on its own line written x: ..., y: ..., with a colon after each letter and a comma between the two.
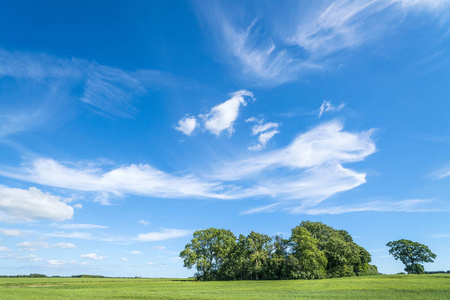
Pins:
x: 369, y: 287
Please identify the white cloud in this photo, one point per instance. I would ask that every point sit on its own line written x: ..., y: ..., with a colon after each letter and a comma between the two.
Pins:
x: 10, y: 232
x: 47, y: 82
x: 262, y: 127
x: 155, y: 264
x: 28, y: 205
x: 263, y: 138
x: 340, y: 25
x: 159, y: 247
x: 143, y: 222
x: 74, y: 235
x: 328, y: 107
x: 4, y: 249
x: 55, y: 262
x: 64, y: 245
x: 31, y: 245
x: 94, y: 256
x: 139, y: 179
x: 310, y: 169
x: 293, y: 38
x: 164, y: 234
x: 81, y: 226
x: 266, y: 132
x: 135, y: 252
x: 111, y: 90
x: 30, y: 258
x: 187, y: 125
x: 412, y: 205
x: 431, y: 5
x: 79, y: 206
x: 124, y: 259
x: 440, y: 236
x: 223, y: 116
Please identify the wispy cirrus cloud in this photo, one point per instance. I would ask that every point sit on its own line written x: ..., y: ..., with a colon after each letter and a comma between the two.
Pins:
x: 81, y: 226
x: 46, y: 83
x: 327, y: 106
x: 291, y: 39
x: 411, y: 205
x: 308, y: 170
x: 162, y: 235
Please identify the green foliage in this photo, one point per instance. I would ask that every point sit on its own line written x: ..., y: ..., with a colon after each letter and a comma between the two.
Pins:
x: 411, y: 254
x: 209, y: 250
x: 311, y: 262
x: 313, y: 251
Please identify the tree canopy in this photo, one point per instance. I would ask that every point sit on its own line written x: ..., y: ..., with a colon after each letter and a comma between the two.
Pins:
x: 314, y: 250
x: 411, y: 254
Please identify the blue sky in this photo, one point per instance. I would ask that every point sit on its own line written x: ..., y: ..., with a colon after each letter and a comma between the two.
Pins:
x: 125, y: 126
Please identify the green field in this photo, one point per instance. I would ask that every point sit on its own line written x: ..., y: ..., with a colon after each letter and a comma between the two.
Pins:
x: 369, y: 287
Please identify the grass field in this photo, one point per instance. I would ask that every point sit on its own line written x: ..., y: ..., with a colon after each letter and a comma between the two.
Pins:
x: 370, y: 287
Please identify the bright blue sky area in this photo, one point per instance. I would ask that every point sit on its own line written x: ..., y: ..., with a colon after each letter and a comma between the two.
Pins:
x: 125, y: 126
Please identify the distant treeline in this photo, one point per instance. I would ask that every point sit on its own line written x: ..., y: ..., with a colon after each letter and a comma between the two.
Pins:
x: 34, y: 275
x: 314, y: 250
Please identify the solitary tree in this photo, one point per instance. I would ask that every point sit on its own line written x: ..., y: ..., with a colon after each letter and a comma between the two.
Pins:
x: 412, y: 254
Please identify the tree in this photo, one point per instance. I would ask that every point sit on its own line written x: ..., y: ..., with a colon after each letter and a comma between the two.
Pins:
x: 257, y: 248
x: 208, y: 251
x: 311, y: 262
x: 411, y: 254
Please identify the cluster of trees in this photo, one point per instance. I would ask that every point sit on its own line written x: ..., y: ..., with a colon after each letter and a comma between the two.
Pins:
x: 314, y: 250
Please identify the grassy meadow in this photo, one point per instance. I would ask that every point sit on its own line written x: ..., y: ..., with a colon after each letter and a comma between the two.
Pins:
x: 370, y: 287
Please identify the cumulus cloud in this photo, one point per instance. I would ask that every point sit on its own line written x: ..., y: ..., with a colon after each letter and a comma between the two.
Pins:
x: 10, y: 232
x: 220, y: 118
x: 94, y: 256
x: 144, y: 222
x: 187, y: 125
x: 164, y: 234
x: 159, y: 247
x: 135, y: 252
x: 31, y: 245
x: 32, y: 204
x: 223, y: 116
x: 155, y: 265
x: 64, y: 245
x: 327, y: 106
x: 4, y: 249
x: 55, y: 262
